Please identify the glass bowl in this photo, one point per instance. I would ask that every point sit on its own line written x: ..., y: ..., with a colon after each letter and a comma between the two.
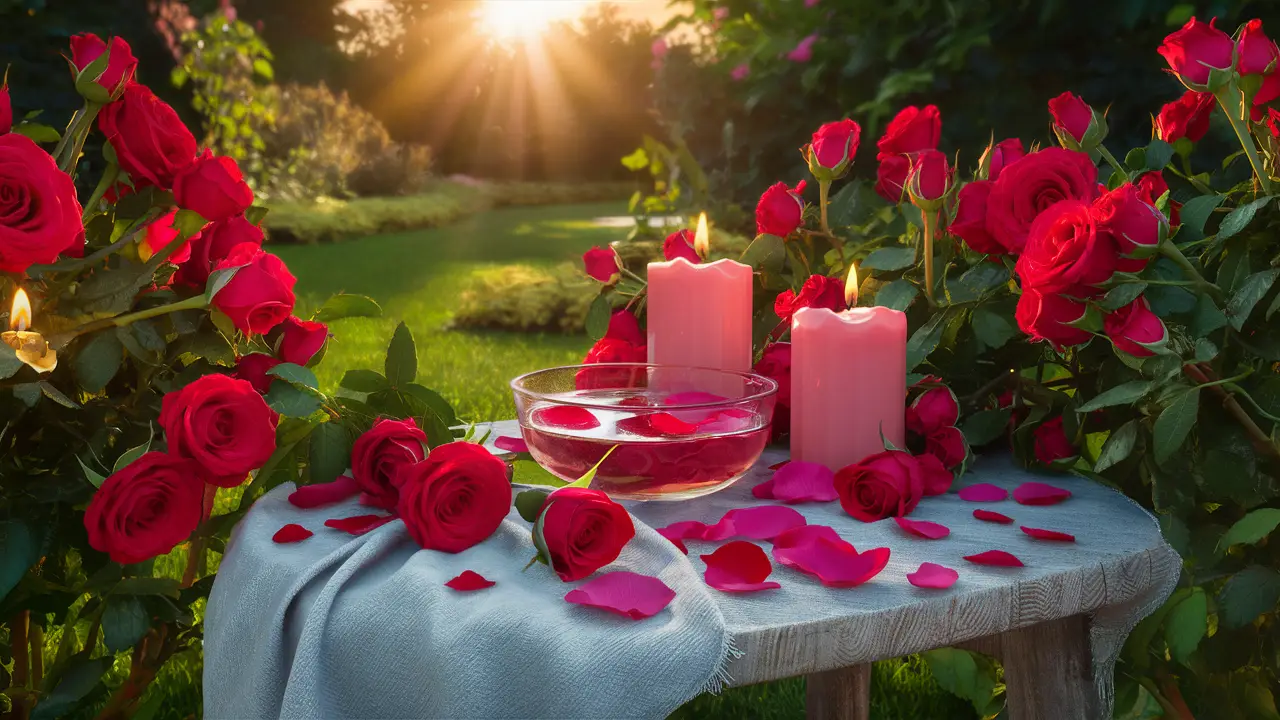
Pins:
x: 671, y: 433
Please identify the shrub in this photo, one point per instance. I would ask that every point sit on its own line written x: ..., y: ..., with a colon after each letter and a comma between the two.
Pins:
x: 329, y: 219
x: 395, y: 170
x: 527, y: 299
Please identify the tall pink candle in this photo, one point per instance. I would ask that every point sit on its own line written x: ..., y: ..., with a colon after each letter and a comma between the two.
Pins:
x: 848, y: 383
x: 700, y: 315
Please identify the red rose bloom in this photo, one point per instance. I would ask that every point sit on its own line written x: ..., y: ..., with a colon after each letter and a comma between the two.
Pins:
x: 623, y: 342
x: 579, y: 531
x: 1256, y: 53
x: 150, y: 141
x: 834, y: 145
x: 212, y: 245
x: 1067, y: 251
x: 930, y: 177
x: 891, y: 177
x: 818, y: 291
x: 1152, y: 186
x: 455, y: 498
x: 1126, y: 215
x: 970, y: 222
x: 300, y: 340
x: 936, y: 477
x: 1032, y: 185
x: 680, y: 244
x: 1134, y: 327
x: 601, y: 264
x: 252, y: 368
x: 1187, y: 117
x: 1002, y: 154
x: 780, y: 210
x: 911, y: 131
x: 887, y: 484
x: 1071, y: 115
x: 162, y: 232
x: 382, y: 458
x: 947, y: 445
x: 775, y: 363
x: 1196, y: 48
x: 933, y: 410
x: 1045, y: 317
x: 6, y: 109
x: 213, y: 187
x: 1052, y: 443
x: 39, y: 214
x: 146, y: 508
x: 260, y: 296
x: 121, y: 65
x: 1269, y: 91
x: 223, y: 424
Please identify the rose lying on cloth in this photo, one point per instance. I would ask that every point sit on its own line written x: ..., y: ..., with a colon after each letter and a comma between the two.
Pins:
x: 212, y: 186
x: 780, y: 210
x: 150, y: 141
x: 212, y: 245
x: 579, y: 531
x: 39, y: 214
x: 382, y: 458
x: 260, y: 296
x: 887, y: 484
x: 1032, y: 185
x: 146, y: 508
x: 455, y: 498
x: 223, y: 424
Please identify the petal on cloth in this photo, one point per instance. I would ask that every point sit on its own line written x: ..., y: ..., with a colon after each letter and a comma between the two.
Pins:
x: 626, y: 593
x: 805, y: 534
x: 291, y: 533
x: 1041, y: 534
x: 359, y: 524
x: 758, y: 523
x: 312, y: 496
x: 933, y: 576
x: 1038, y: 493
x: 738, y: 566
x: 983, y: 492
x: 799, y: 482
x: 684, y: 530
x: 992, y: 516
x: 469, y: 580
x: 923, y: 528
x: 511, y: 444
x: 835, y: 564
x: 999, y: 558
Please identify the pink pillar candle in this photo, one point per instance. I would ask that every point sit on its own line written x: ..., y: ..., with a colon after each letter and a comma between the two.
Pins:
x: 848, y: 383
x: 700, y: 315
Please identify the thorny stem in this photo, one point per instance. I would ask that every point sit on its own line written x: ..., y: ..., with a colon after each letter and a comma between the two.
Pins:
x: 192, y: 303
x: 108, y: 178
x: 195, y: 549
x: 1204, y: 376
x: 79, y: 132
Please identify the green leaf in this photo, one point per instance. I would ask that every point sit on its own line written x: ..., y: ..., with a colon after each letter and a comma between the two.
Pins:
x: 94, y: 478
x: 37, y: 132
x: 1136, y: 159
x: 588, y: 476
x: 124, y: 622
x: 1207, y: 318
x: 219, y: 279
x: 435, y: 401
x: 348, y: 306
x: 844, y: 206
x: 402, y: 357
x: 75, y: 683
x: 598, y: 316
x: 188, y: 223
x: 992, y: 328
x: 890, y: 258
x: 290, y: 400
x: 897, y: 295
x: 1159, y: 153
x: 365, y: 381
x: 1252, y: 290
x: 97, y: 361
x: 985, y: 426
x: 1119, y: 445
x: 9, y: 362
x: 1125, y: 394
x: 1247, y: 594
x: 1174, y: 423
x: 1194, y: 214
x: 295, y: 374
x: 636, y: 161
x: 1205, y: 350
x: 18, y: 552
x: 262, y: 69
x: 133, y: 453
x: 1187, y: 625
x: 984, y: 277
x: 1122, y: 295
x: 167, y: 587
x: 1275, y: 305
x: 56, y: 395
x: 960, y: 673
x: 925, y: 340
x: 529, y: 502
x: 766, y: 253
x: 330, y: 452
x: 256, y: 214
x: 28, y: 393
x: 1239, y: 219
x: 1251, y: 528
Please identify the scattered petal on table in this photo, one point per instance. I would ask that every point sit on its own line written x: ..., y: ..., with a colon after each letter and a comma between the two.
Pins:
x: 566, y: 416
x: 511, y: 444
x: 469, y: 580
x: 923, y: 528
x: 835, y: 564
x: 311, y: 496
x: 933, y: 576
x: 625, y: 593
x: 683, y: 530
x: 983, y: 492
x: 992, y: 516
x: 359, y: 524
x: 1040, y: 534
x: 994, y: 557
x: 738, y: 566
x: 805, y: 534
x: 1038, y: 493
x: 764, y: 490
x: 799, y: 482
x: 758, y: 523
x: 291, y: 533
x: 779, y: 465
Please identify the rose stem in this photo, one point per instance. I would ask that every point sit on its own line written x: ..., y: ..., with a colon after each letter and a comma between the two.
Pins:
x: 1226, y: 99
x: 929, y: 223
x: 824, y: 187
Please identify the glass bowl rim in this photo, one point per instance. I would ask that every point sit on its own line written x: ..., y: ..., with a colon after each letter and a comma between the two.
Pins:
x: 770, y: 386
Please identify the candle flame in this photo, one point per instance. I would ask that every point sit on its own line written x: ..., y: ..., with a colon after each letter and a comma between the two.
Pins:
x: 20, y: 314
x: 851, y: 287
x: 702, y: 238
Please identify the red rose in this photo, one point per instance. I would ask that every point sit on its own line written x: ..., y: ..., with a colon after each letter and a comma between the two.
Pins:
x: 930, y: 177
x: 1256, y: 53
x: 87, y: 47
x: 623, y: 342
x: 223, y: 424
x: 1135, y: 329
x: 780, y: 210
x: 1002, y: 154
x: 382, y: 458
x: 775, y: 364
x: 934, y: 409
x: 891, y: 177
x: 624, y: 326
x: 1045, y: 317
x: 818, y: 291
x: 162, y: 232
x: 833, y: 147
x: 1187, y: 117
x: 948, y: 445
x: 936, y: 477
x: 150, y: 141
x: 39, y: 214
x: 6, y: 109
x: 970, y: 222
x: 212, y: 245
x: 602, y: 264
x: 455, y: 498
x: 1071, y: 115
x: 146, y: 508
x: 1192, y: 51
x: 579, y: 531
x: 1132, y: 221
x: 680, y: 244
x: 213, y: 187
x: 1068, y: 252
x: 300, y: 340
x: 260, y: 296
x: 1052, y: 443
x: 1152, y: 186
x: 1269, y: 91
x: 910, y: 131
x: 1031, y: 186
x: 252, y: 368
x: 887, y: 484
x: 1273, y: 121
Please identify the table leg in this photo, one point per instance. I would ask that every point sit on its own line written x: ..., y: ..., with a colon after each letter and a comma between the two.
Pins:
x: 841, y: 694
x: 1047, y: 671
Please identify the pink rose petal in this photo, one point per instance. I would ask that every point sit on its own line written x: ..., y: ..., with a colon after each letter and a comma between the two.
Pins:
x: 835, y: 564
x: 683, y: 530
x: 923, y: 528
x: 359, y: 524
x: 933, y: 576
x: 757, y: 523
x: 764, y: 490
x: 983, y: 492
x: 468, y: 581
x: 657, y: 425
x: 1038, y: 493
x: 311, y: 496
x: 625, y: 593
x: 805, y: 534
x: 992, y: 516
x: 1040, y: 534
x: 291, y: 533
x: 799, y: 482
x: 994, y: 557
x: 566, y: 416
x: 511, y: 444
x: 738, y: 566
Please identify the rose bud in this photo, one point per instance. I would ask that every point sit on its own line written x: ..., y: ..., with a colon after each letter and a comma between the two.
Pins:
x: 818, y: 291
x: 1256, y: 54
x: 300, y: 340
x: 1196, y: 49
x: 934, y: 409
x: 40, y: 218
x: 1136, y: 330
x: 212, y: 245
x: 146, y: 508
x: 996, y: 157
x: 780, y: 210
x: 1187, y: 117
x: 382, y: 458
x: 680, y: 244
x: 887, y: 484
x: 455, y: 498
x: 213, y: 187
x: 1078, y: 126
x: 253, y: 368
x: 579, y: 531
x: 930, y: 179
x: 1153, y: 187
x: 1135, y: 224
x: 260, y: 295
x: 223, y: 424
x: 1052, y: 444
x: 1048, y: 316
x: 151, y: 142
x: 830, y: 154
x: 6, y: 109
x: 602, y: 264
x: 1067, y: 252
x: 970, y: 221
x: 107, y: 82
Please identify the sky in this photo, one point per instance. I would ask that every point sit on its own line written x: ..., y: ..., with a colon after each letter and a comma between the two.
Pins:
x: 655, y: 11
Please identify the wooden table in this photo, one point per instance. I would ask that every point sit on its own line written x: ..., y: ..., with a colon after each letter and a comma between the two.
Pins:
x: 1049, y: 622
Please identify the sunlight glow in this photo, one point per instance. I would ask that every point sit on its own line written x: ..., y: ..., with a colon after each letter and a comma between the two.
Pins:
x: 510, y: 21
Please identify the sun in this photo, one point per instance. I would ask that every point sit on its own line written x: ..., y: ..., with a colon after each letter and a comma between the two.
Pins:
x: 522, y: 20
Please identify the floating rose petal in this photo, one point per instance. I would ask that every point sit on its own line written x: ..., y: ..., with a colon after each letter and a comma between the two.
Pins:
x: 1040, y: 534
x: 994, y: 557
x: 635, y: 401
x: 983, y: 492
x: 511, y: 444
x: 758, y: 523
x: 469, y: 581
x: 992, y: 516
x: 291, y: 533
x: 310, y: 496
x: 693, y: 397
x: 738, y: 566
x: 657, y: 425
x: 799, y: 482
x: 933, y: 576
x: 625, y: 593
x: 779, y: 466
x: 1037, y: 493
x: 923, y: 528
x: 359, y: 524
x: 834, y: 563
x: 566, y: 416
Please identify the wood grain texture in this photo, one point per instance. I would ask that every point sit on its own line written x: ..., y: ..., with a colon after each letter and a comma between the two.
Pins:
x: 843, y: 694
x: 1047, y: 671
